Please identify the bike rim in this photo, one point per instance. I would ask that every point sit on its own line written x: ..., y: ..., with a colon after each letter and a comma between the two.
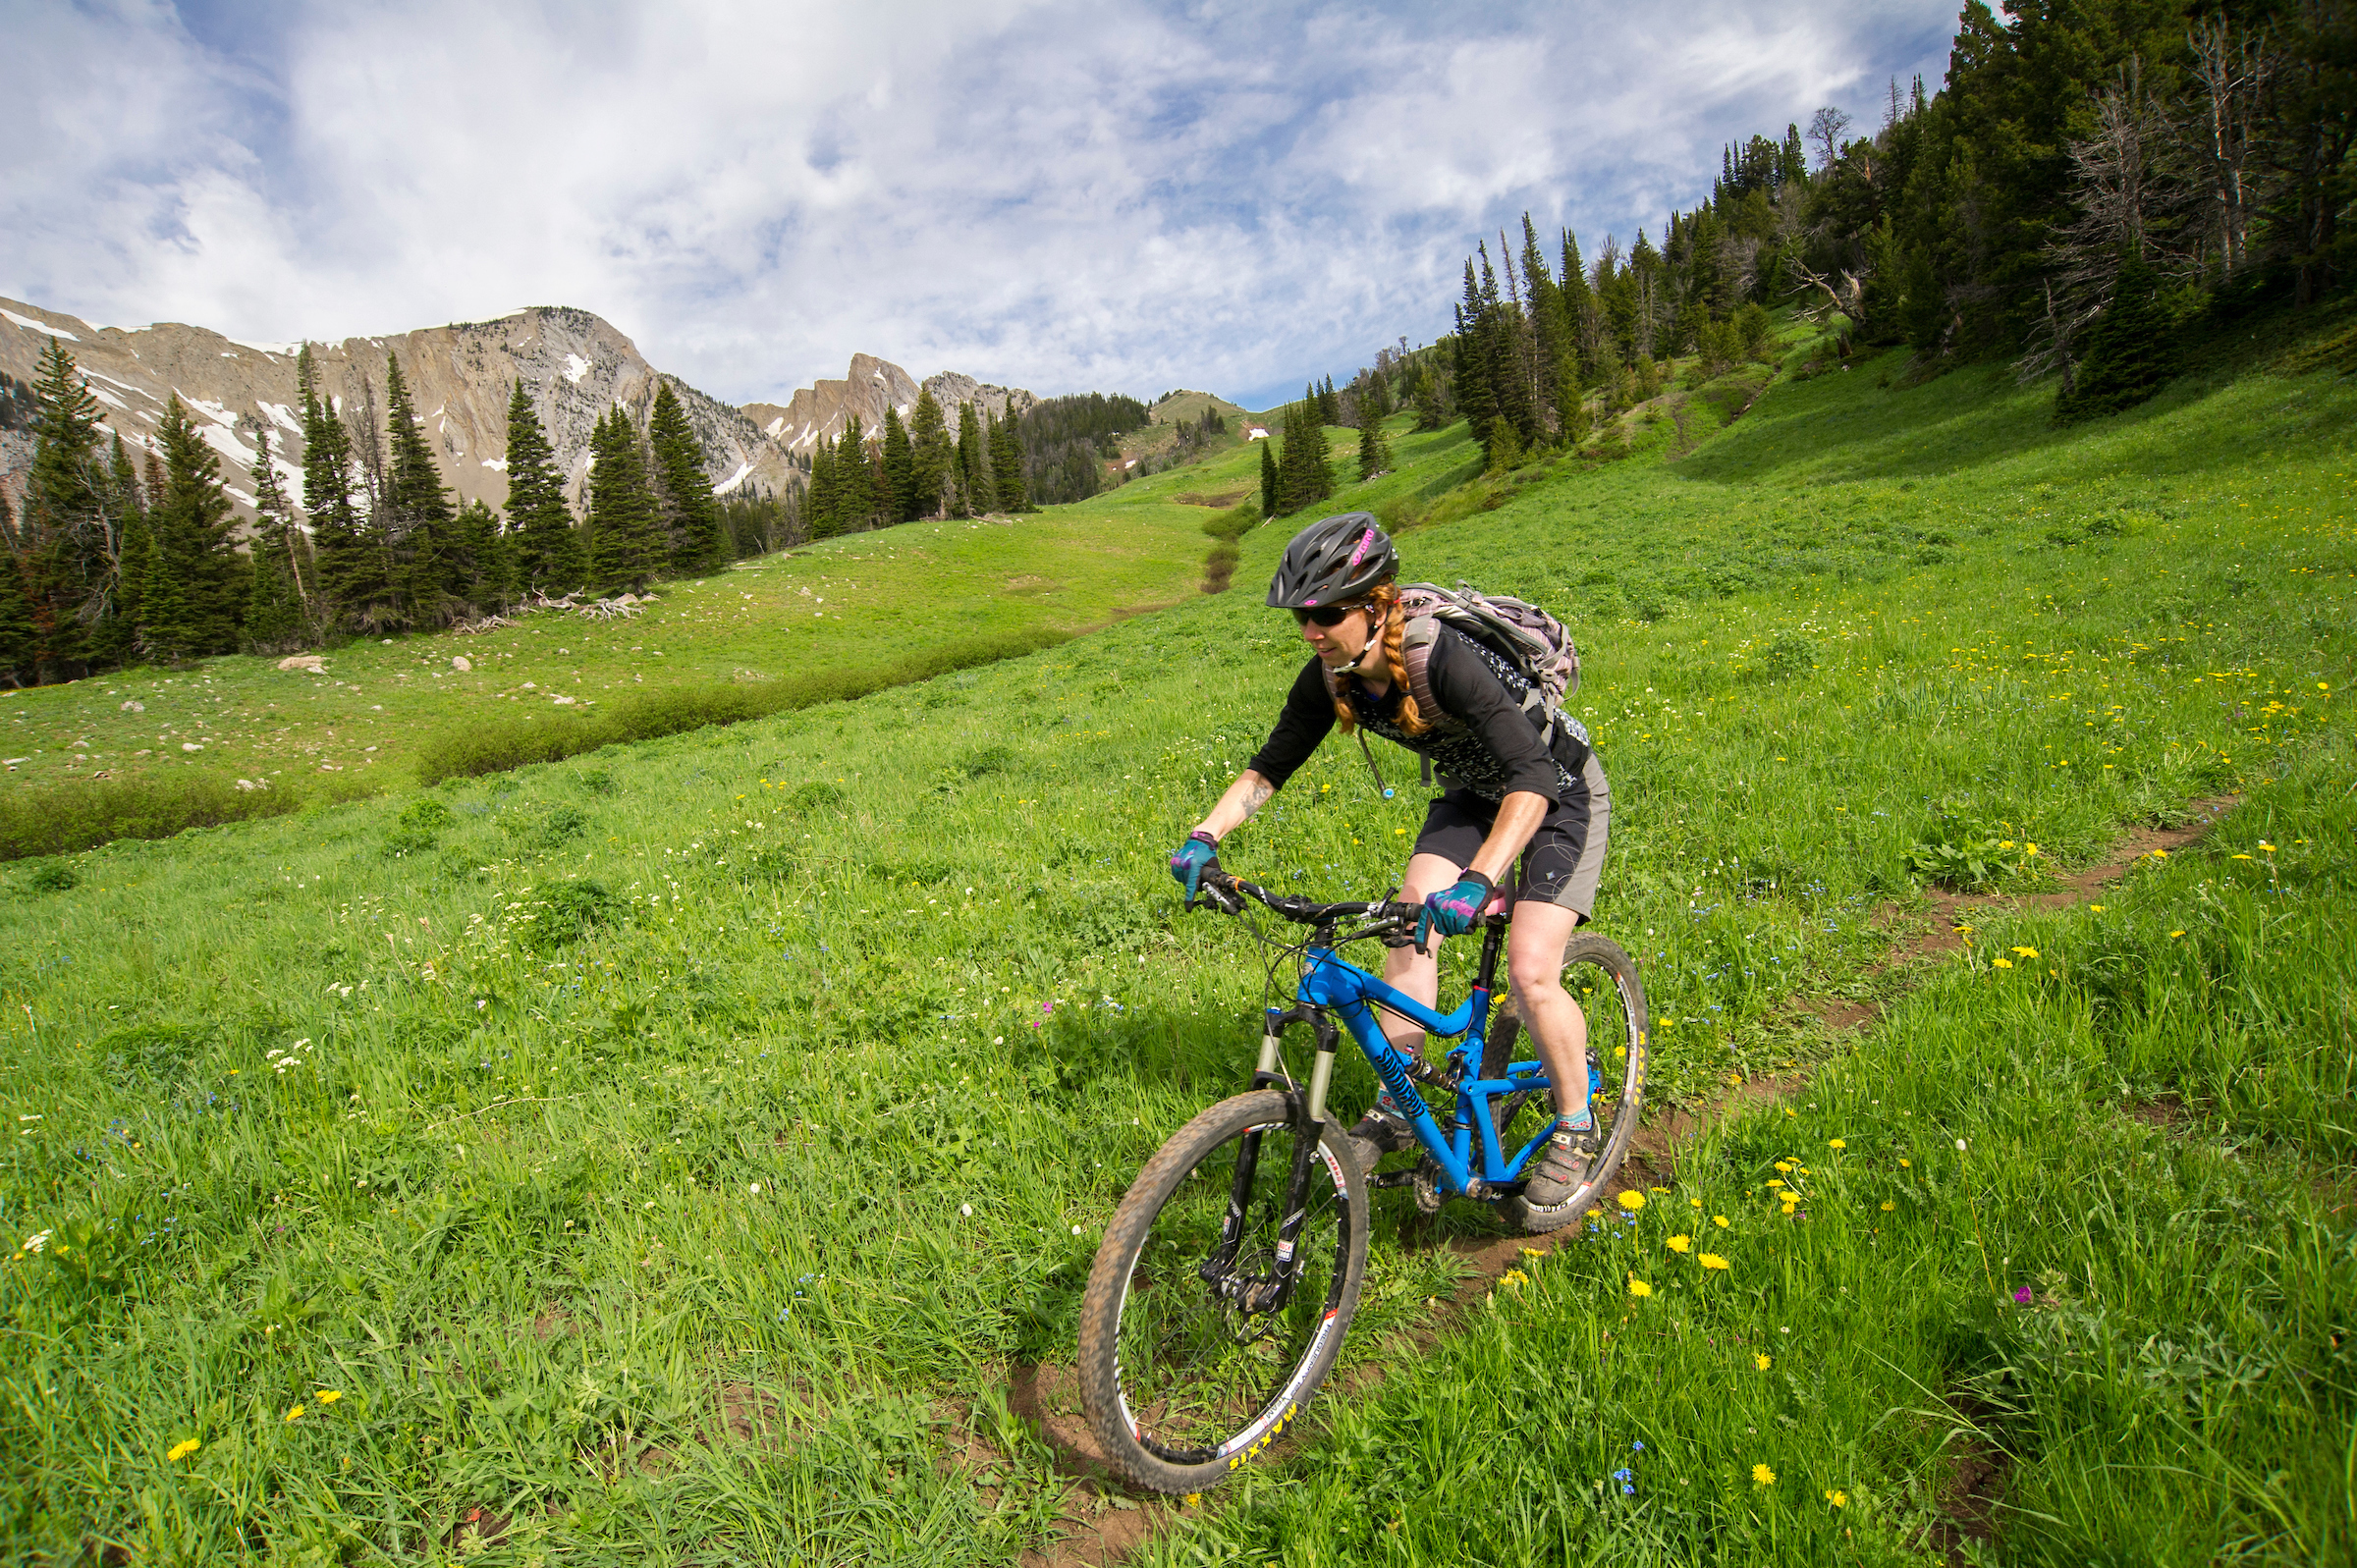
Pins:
x: 1198, y: 1379
x: 1618, y: 1048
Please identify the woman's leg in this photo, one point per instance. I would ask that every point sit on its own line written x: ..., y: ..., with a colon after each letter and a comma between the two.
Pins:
x: 1406, y: 971
x: 1559, y: 1030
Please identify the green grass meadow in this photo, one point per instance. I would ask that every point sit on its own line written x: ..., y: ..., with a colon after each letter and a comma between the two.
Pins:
x: 671, y: 1154
x: 141, y: 751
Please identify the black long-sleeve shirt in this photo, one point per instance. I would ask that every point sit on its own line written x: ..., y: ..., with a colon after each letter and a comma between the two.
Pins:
x: 1481, y: 740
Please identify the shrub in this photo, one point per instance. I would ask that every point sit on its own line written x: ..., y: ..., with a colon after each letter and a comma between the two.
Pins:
x: 566, y: 913
x: 55, y: 876
x: 1787, y: 656
x: 62, y: 818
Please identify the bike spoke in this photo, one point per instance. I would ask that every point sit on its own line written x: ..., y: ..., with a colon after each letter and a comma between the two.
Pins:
x: 1200, y: 1359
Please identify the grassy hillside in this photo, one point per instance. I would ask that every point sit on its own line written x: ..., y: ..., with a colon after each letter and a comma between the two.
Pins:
x: 670, y: 1152
x: 840, y: 606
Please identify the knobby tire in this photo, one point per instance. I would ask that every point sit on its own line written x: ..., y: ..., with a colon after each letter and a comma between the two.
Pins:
x: 1181, y: 1388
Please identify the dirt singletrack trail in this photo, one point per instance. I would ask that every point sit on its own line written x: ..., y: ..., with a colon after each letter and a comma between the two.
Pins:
x: 1103, y: 1523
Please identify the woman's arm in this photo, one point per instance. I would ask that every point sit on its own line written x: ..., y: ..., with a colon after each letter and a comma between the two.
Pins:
x: 1248, y: 795
x: 1518, y: 817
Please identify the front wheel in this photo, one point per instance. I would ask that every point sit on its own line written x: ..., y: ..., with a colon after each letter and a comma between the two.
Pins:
x: 1603, y: 981
x: 1190, y: 1365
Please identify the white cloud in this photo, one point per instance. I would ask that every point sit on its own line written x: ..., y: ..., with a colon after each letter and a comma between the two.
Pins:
x: 1061, y: 195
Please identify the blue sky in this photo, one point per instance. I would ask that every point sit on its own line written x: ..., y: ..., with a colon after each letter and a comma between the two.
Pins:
x: 1064, y: 196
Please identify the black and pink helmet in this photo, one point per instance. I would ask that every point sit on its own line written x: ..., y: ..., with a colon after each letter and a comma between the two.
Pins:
x: 1332, y: 561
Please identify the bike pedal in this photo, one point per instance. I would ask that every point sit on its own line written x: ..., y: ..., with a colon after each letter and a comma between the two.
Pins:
x: 1393, y: 1178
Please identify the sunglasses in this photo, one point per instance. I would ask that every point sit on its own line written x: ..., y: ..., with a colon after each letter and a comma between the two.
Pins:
x: 1325, y: 615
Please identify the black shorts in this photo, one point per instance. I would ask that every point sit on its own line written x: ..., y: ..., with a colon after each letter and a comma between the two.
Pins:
x: 1565, y: 860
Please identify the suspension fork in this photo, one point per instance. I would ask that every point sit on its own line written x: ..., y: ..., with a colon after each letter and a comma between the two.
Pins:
x: 1309, y: 1123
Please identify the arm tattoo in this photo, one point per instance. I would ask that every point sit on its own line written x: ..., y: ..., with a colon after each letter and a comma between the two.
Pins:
x: 1257, y: 797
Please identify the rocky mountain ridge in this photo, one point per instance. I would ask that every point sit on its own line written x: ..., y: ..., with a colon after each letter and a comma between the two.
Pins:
x: 821, y: 411
x: 574, y: 365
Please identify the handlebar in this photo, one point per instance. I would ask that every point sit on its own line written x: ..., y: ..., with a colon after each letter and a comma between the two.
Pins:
x: 1227, y: 894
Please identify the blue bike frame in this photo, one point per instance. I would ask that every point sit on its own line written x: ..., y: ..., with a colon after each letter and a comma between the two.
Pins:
x: 1333, y: 985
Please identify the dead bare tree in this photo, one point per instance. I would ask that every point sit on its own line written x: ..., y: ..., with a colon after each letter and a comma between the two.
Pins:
x: 2132, y: 197
x: 1824, y: 130
x: 2231, y: 67
x: 1847, y: 298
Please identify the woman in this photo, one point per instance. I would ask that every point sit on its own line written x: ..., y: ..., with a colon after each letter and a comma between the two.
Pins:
x: 1510, y: 798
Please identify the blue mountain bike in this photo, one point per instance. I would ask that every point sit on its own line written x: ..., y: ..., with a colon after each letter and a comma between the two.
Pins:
x: 1223, y: 1286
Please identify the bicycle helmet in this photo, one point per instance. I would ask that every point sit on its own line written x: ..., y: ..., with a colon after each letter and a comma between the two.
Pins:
x: 1332, y: 561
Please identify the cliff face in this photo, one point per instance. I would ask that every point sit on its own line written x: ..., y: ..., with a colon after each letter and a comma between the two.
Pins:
x: 574, y: 365
x: 821, y: 411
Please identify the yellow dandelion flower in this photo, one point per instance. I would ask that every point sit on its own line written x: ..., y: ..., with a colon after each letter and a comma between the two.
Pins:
x: 2174, y: 935
x: 181, y: 1450
x: 295, y: 1412
x: 2025, y: 953
x: 1719, y: 1221
x: 1514, y: 1276
x: 1762, y: 1475
x: 1638, y: 1287
x: 1193, y: 1500
x: 1696, y: 1201
x: 1632, y: 1201
x: 1906, y: 1164
x: 2268, y: 848
x: 1838, y: 1498
x: 1763, y: 1361
x: 1837, y: 1142
x: 327, y: 1397
x: 1784, y: 1166
x: 2001, y: 963
x: 1532, y: 1252
x: 1773, y: 1182
x: 1711, y: 1260
x: 1679, y: 1243
x: 1888, y: 1206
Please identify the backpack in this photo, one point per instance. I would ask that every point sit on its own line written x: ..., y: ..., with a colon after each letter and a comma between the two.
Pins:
x: 1528, y: 637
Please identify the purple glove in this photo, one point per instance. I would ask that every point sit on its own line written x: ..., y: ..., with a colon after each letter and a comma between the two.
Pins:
x: 1453, y: 911
x: 1200, y: 853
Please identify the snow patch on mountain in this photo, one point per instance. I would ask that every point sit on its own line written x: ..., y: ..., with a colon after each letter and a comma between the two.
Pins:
x: 41, y: 327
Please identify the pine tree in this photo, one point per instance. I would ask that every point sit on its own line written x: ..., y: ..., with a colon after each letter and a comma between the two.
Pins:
x: 1303, y: 476
x: 931, y: 455
x: 188, y: 609
x: 113, y: 628
x: 15, y: 611
x: 487, y: 579
x: 821, y: 504
x: 17, y: 637
x: 1373, y: 447
x: 691, y: 518
x: 976, y: 475
x: 547, y: 548
x: 624, y: 540
x: 1430, y: 413
x: 1476, y: 396
x: 353, y: 578
x: 274, y: 611
x: 1557, y: 354
x: 421, y: 521
x: 899, y: 479
x: 1268, y: 477
x: 67, y: 555
x: 1329, y: 404
x: 138, y: 554
x: 1007, y: 465
x: 2129, y: 354
x: 853, y: 491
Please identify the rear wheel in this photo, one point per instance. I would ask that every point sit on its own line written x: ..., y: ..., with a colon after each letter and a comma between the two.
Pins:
x: 1603, y: 981
x: 1188, y: 1367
